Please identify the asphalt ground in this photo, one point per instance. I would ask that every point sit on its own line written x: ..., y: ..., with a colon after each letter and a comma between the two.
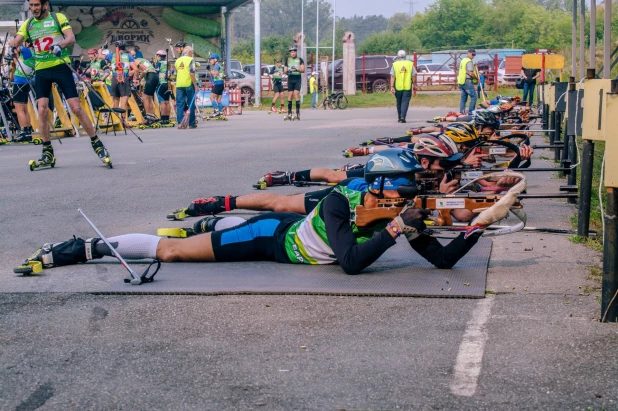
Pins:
x: 534, y: 343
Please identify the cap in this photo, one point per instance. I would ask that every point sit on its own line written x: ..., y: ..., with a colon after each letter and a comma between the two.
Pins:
x: 472, y: 51
x: 135, y: 46
x: 315, y: 73
x: 401, y: 53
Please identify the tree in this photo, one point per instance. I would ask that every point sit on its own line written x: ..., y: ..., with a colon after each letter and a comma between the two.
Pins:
x: 363, y: 26
x: 398, y: 22
x: 389, y: 43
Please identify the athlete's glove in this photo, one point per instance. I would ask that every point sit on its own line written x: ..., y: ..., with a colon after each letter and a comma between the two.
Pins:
x: 56, y: 50
x: 10, y: 51
x: 411, y: 221
x: 208, y: 67
x: 293, y: 68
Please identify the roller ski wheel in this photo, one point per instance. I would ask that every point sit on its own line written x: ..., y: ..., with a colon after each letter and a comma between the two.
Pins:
x: 46, y: 160
x: 287, y: 117
x: 260, y: 185
x: 170, y: 124
x: 29, y: 268
x: 179, y: 214
x: 272, y: 110
x: 101, y: 152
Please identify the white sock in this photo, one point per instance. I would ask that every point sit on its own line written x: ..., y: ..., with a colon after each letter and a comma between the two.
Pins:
x: 131, y: 246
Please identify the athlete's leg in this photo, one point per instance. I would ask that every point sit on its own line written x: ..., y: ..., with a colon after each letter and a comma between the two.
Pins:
x: 192, y: 249
x: 43, y: 111
x: 328, y: 175
x: 22, y: 114
x: 272, y: 202
x: 79, y: 112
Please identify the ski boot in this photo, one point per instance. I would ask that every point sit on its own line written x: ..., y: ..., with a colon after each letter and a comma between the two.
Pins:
x: 101, y: 151
x: 47, y: 159
x: 356, y: 152
x: 272, y: 110
x: 276, y: 178
x: 24, y: 137
x: 281, y: 110
x: 297, y: 116
x: 50, y: 255
x: 166, y: 122
x: 150, y: 121
x: 288, y: 117
x: 204, y: 206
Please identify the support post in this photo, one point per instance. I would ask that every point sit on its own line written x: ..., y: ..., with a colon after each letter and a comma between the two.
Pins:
x: 582, y: 40
x: 257, y: 52
x: 572, y: 179
x: 227, y: 16
x: 496, y: 77
x: 552, y: 127
x: 557, y: 134
x: 607, y: 39
x: 585, y: 189
x: 609, y: 309
x: 593, y: 34
x: 574, y: 40
x: 414, y: 63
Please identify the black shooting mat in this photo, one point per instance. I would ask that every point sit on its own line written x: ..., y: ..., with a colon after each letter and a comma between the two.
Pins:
x: 399, y: 272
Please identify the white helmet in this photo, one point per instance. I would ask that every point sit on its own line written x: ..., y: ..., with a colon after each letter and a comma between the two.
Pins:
x: 401, y: 53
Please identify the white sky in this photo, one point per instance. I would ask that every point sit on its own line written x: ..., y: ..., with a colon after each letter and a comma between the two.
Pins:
x: 348, y: 8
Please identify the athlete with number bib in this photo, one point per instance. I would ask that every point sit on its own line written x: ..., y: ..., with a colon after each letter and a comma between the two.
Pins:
x: 51, y: 35
x: 294, y: 67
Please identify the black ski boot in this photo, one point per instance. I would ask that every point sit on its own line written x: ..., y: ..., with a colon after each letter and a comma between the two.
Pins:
x: 205, y: 225
x: 101, y: 151
x: 204, y: 206
x: 47, y: 158
x: 50, y: 255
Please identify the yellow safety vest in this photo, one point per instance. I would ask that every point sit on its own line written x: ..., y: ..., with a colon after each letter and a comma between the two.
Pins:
x: 461, y: 78
x: 183, y: 71
x: 403, y: 74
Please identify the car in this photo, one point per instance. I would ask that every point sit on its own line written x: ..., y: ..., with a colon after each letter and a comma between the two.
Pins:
x: 435, y: 74
x: 235, y: 65
x: 377, y: 70
x: 267, y: 69
x: 488, y: 66
x: 243, y: 81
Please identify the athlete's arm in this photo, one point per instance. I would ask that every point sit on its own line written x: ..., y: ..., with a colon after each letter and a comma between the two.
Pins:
x: 443, y: 256
x: 352, y: 257
x: 301, y: 69
x: 67, y: 31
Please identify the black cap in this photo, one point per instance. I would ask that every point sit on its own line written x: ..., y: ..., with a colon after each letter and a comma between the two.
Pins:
x: 472, y: 51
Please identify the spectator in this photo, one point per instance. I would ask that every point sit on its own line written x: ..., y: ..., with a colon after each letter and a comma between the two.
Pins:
x: 401, y: 84
x: 530, y: 76
x: 186, y: 87
x: 138, y: 53
x: 313, y: 89
x: 481, y: 87
x: 467, y: 78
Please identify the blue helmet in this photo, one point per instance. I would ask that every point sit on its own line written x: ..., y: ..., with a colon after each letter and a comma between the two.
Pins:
x: 215, y: 56
x: 393, y: 164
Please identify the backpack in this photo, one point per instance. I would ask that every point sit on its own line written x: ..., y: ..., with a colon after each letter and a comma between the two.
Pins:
x: 55, y: 21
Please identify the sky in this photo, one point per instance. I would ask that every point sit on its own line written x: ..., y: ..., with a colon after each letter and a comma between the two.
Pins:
x: 348, y: 8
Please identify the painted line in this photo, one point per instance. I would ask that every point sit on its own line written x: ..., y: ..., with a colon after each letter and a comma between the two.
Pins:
x: 470, y: 356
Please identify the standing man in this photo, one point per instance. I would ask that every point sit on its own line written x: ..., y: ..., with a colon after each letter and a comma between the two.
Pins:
x: 467, y: 79
x: 294, y: 67
x: 121, y: 90
x: 179, y: 48
x: 51, y: 35
x: 186, y: 86
x: 216, y: 78
x: 313, y: 89
x: 147, y: 72
x: 138, y: 53
x: 530, y: 76
x: 277, y: 86
x: 24, y: 73
x: 163, y: 94
x: 401, y: 84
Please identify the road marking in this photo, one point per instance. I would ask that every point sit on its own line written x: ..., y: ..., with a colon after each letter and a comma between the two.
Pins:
x: 470, y: 356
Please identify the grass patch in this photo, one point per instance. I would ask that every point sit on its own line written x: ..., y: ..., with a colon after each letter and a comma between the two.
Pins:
x: 596, y: 223
x: 595, y: 274
x: 369, y: 100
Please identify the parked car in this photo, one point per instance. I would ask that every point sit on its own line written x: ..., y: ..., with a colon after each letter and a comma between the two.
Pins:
x: 235, y: 65
x: 377, y: 70
x: 488, y: 67
x: 435, y: 74
x: 243, y: 81
x: 267, y: 69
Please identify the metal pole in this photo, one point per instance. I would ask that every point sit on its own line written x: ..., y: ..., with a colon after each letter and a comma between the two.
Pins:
x: 228, y: 41
x: 317, y: 42
x: 557, y: 134
x: 332, y: 76
x: 609, y: 309
x: 574, y: 40
x: 593, y: 34
x: 582, y: 41
x: 302, y: 46
x: 607, y: 38
x: 585, y: 190
x: 572, y: 180
x: 257, y: 52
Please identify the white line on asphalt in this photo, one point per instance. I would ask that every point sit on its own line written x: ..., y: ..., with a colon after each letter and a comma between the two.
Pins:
x: 470, y: 356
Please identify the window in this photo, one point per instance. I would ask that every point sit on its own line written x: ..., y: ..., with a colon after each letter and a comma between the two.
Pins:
x: 379, y: 64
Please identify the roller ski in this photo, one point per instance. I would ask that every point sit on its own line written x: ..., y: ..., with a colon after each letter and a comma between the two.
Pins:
x: 150, y: 121
x: 276, y: 178
x: 217, y: 115
x: 272, y: 110
x: 288, y: 117
x: 356, y: 152
x: 166, y: 122
x: 204, y: 206
x: 47, y: 159
x: 101, y: 152
x: 205, y: 225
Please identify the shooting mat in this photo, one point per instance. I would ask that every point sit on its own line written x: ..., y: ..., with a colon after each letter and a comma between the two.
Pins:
x: 400, y: 272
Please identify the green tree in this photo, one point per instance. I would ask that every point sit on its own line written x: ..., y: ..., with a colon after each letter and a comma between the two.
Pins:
x: 389, y: 43
x: 398, y: 22
x: 363, y: 26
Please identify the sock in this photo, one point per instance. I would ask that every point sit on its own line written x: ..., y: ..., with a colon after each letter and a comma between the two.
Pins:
x: 290, y: 106
x: 272, y: 105
x: 304, y: 175
x: 131, y: 246
x: 298, y: 106
x: 94, y: 137
x: 221, y: 107
x: 228, y: 222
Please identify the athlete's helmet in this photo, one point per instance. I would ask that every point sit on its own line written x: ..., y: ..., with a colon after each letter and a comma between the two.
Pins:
x: 161, y: 53
x: 494, y: 109
x: 120, y: 44
x: 462, y: 133
x: 278, y: 61
x: 391, y: 163
x: 293, y: 48
x: 181, y: 44
x: 483, y: 118
x: 215, y: 56
x: 437, y: 145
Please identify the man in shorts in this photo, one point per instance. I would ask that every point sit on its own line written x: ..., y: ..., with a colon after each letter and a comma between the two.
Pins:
x: 121, y: 90
x: 24, y: 73
x: 51, y: 35
x: 163, y: 93
x: 146, y: 71
x: 277, y: 86
x: 294, y: 67
x: 218, y: 84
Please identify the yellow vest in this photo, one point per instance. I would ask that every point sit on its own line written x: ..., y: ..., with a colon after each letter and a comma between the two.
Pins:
x: 403, y: 74
x: 183, y: 71
x: 313, y: 85
x: 461, y: 78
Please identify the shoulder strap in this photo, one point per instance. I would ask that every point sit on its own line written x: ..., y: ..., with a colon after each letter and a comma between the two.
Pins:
x: 27, y: 32
x: 57, y: 23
